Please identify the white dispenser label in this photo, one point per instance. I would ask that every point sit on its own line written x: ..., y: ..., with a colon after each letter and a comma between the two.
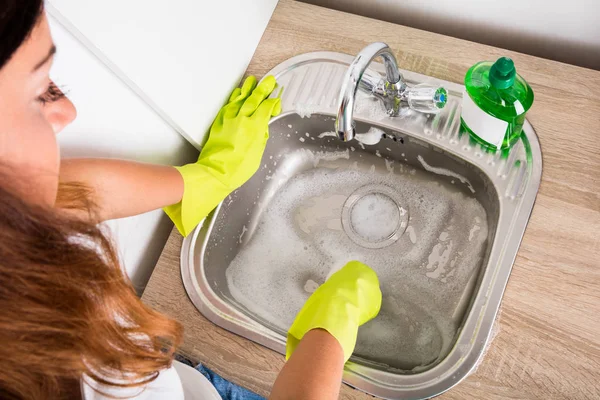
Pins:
x: 487, y: 127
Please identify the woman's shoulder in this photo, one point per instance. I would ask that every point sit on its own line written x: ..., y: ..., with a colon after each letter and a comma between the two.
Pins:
x: 195, y: 385
x: 180, y: 382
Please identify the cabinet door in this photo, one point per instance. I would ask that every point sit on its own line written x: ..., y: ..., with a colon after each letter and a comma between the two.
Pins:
x: 113, y: 122
x: 183, y: 57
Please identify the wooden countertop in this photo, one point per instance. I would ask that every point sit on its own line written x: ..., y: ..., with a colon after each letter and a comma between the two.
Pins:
x: 548, y: 343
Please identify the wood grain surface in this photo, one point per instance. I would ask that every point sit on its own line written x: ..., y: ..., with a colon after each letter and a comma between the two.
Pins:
x: 548, y: 334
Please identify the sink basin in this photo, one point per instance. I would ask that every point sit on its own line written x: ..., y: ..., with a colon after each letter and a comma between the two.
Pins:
x: 438, y: 218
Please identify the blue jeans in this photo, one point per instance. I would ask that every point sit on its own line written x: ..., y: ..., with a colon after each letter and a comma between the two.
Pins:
x: 226, y: 389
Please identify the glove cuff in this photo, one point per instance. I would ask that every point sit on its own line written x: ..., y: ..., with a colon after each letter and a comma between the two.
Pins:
x: 202, y: 192
x: 339, y: 318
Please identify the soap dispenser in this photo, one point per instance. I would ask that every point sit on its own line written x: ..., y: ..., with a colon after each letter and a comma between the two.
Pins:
x: 494, y: 103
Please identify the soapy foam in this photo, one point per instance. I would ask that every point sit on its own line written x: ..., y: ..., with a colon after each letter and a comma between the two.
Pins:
x: 473, y: 231
x: 326, y: 134
x: 306, y: 110
x: 311, y: 286
x: 367, y: 105
x: 372, y: 137
x: 299, y: 242
x: 446, y: 172
x: 244, y: 230
x: 389, y: 165
x: 375, y: 217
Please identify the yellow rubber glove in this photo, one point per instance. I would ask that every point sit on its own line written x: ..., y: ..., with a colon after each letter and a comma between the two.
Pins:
x: 231, y: 155
x: 348, y: 299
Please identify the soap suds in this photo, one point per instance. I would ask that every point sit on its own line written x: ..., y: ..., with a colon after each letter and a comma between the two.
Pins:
x: 473, y: 232
x: 439, y: 257
x: 306, y: 110
x: 389, y: 165
x: 310, y: 286
x: 412, y: 234
x: 327, y: 134
x: 370, y: 107
x: 299, y: 241
x: 244, y: 230
x: 372, y: 137
x: 375, y: 217
x: 445, y: 172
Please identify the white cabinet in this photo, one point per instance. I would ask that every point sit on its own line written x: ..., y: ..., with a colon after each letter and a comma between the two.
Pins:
x: 114, y: 122
x: 183, y: 57
x: 143, y: 74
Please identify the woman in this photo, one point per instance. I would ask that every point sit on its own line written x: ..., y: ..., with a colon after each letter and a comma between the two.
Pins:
x: 71, y: 325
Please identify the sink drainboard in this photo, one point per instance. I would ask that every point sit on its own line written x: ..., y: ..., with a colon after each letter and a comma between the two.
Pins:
x: 438, y: 218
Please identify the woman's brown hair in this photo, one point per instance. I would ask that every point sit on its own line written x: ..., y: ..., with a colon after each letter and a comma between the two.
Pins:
x: 17, y: 19
x: 67, y: 310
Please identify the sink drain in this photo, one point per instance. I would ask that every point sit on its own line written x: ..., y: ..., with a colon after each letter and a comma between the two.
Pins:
x: 373, y: 216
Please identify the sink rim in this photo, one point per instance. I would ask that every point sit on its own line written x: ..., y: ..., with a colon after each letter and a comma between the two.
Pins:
x: 477, y: 327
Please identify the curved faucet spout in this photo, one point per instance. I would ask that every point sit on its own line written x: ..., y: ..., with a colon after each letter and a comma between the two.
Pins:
x: 392, y: 90
x: 344, y: 125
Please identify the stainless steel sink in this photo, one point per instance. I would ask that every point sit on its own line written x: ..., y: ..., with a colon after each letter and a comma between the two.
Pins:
x: 437, y: 217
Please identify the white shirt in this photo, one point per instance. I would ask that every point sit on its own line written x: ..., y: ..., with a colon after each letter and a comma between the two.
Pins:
x: 180, y: 382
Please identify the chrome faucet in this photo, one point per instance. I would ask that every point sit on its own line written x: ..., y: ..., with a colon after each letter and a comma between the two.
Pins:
x: 392, y: 91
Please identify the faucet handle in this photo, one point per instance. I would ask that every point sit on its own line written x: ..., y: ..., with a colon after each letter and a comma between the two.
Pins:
x: 426, y: 98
